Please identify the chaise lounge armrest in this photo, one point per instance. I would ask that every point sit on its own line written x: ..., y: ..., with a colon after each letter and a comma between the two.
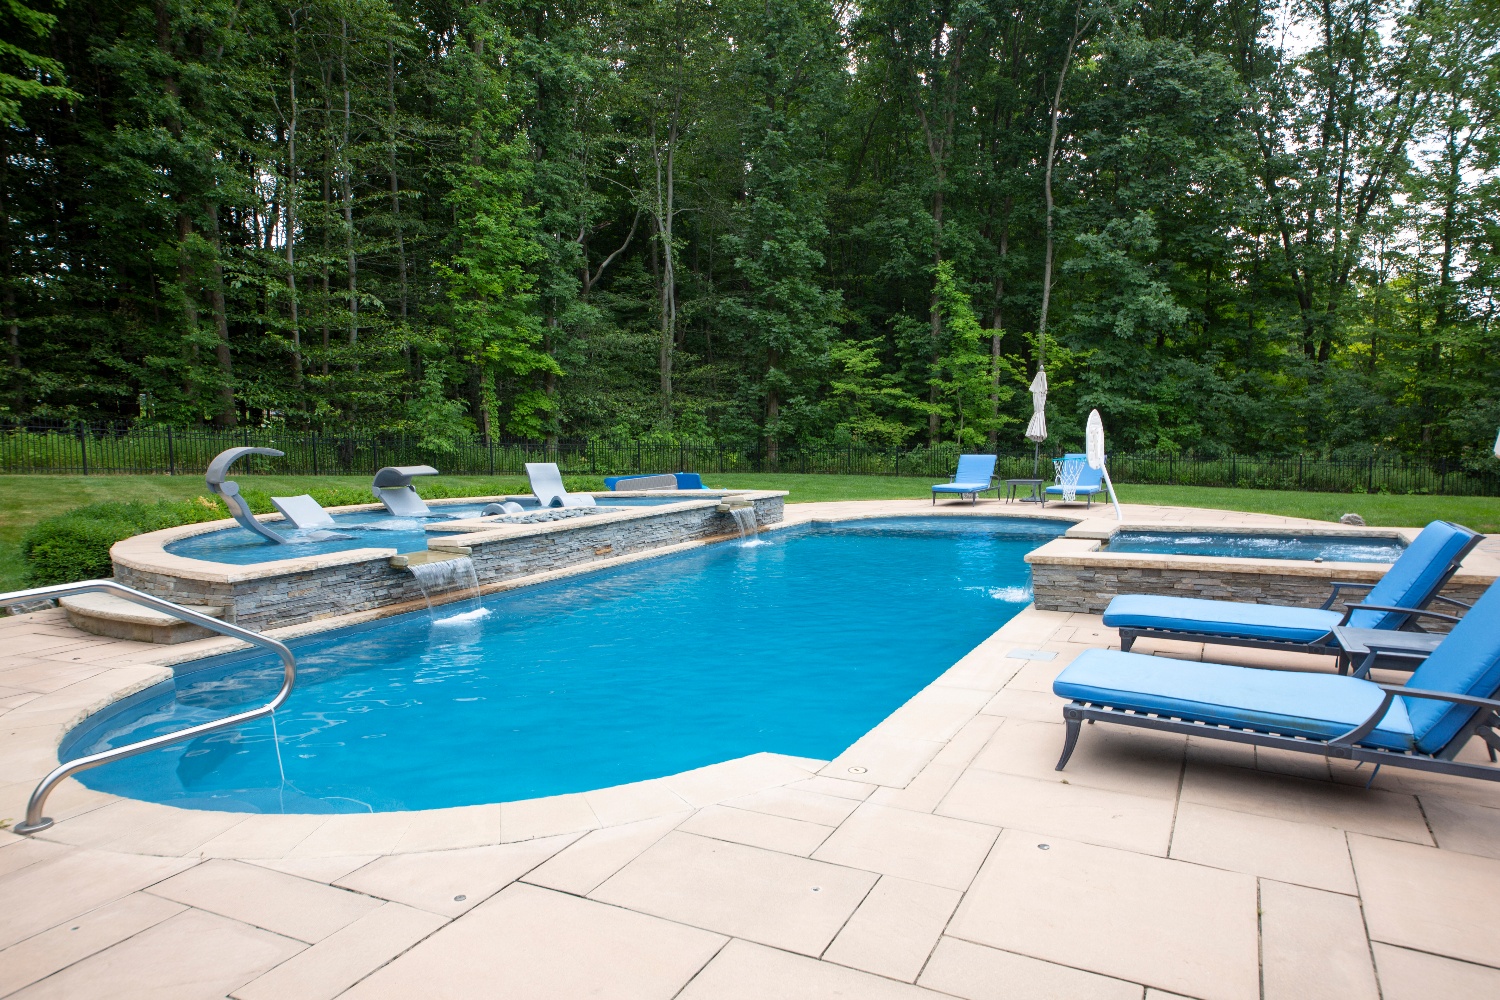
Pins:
x: 1365, y: 728
x: 1414, y: 612
x: 1339, y: 585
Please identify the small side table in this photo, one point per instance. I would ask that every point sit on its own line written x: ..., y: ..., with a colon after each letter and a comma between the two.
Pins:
x: 1366, y: 645
x: 1034, y: 485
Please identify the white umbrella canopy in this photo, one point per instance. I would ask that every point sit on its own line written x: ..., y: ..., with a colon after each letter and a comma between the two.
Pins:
x: 1497, y: 446
x: 1094, y: 448
x: 1037, y: 429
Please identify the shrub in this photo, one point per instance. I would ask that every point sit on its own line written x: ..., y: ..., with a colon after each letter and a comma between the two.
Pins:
x: 75, y: 545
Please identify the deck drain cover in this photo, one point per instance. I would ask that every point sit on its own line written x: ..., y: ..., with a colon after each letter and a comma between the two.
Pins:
x: 1044, y: 847
x: 459, y: 899
x: 856, y: 770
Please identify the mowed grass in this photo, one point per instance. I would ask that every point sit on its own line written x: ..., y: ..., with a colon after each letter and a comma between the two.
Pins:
x: 24, y: 500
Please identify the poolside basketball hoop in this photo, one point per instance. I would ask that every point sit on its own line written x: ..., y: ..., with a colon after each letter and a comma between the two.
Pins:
x: 1094, y: 449
x: 1068, y: 472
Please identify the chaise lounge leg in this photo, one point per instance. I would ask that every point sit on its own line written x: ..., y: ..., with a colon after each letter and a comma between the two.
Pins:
x: 1127, y: 639
x: 1071, y: 739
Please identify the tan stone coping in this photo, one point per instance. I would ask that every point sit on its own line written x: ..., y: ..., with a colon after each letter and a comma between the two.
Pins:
x: 147, y: 553
x: 890, y: 755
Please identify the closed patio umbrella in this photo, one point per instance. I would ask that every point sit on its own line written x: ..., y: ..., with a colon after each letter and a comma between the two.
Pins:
x: 1094, y: 449
x: 1036, y: 431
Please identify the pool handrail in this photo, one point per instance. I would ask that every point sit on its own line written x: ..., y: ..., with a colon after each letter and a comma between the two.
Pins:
x: 35, y: 822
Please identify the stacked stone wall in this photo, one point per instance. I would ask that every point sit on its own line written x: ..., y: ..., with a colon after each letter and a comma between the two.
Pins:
x: 304, y: 596
x: 1089, y: 589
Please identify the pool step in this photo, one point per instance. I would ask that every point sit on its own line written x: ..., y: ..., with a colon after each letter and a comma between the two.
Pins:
x: 117, y: 618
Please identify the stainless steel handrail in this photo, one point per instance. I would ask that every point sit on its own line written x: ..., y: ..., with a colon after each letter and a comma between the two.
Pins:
x: 35, y: 821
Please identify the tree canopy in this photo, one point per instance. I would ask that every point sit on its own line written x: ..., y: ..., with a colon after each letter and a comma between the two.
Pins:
x: 1249, y: 227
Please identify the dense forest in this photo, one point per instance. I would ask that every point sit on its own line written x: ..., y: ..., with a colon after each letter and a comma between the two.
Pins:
x: 1227, y: 224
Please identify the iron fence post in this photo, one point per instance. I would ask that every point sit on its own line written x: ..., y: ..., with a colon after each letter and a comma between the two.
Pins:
x: 171, y: 455
x: 83, y: 449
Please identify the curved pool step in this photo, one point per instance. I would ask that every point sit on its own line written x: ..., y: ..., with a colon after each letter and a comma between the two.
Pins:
x: 117, y: 618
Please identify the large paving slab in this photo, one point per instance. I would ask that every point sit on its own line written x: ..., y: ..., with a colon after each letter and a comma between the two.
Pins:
x: 940, y: 855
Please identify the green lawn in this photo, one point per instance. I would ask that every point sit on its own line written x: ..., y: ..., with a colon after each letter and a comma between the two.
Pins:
x: 26, y: 499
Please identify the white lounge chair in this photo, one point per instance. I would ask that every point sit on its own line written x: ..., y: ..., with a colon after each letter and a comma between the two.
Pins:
x: 303, y: 511
x: 392, y: 487
x: 546, y: 483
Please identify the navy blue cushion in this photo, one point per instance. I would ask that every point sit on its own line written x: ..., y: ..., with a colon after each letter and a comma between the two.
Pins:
x: 1414, y: 578
x: 1466, y: 662
x: 1316, y: 706
x: 1226, y: 618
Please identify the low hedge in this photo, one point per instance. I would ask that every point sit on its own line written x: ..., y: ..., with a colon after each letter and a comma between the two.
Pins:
x: 75, y: 545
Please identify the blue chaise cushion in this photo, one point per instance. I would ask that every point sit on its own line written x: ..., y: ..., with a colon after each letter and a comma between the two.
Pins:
x: 1466, y: 662
x: 961, y: 487
x: 1226, y: 618
x: 1413, y: 579
x: 1315, y: 706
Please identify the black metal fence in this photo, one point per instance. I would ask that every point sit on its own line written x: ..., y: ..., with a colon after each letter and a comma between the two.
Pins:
x: 121, y: 449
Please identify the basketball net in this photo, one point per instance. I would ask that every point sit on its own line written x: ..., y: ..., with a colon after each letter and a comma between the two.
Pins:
x: 1068, y: 473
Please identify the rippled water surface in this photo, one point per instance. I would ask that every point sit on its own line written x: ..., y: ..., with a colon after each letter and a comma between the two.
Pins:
x: 1326, y: 547
x: 797, y: 645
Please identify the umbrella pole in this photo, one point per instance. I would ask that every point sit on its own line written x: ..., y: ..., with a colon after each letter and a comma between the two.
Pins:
x: 1036, y: 461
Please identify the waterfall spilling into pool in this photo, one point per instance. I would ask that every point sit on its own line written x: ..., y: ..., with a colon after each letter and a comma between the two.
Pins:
x: 744, y: 519
x: 444, y: 577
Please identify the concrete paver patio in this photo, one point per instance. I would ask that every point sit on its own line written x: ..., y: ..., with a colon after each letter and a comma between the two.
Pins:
x: 940, y: 856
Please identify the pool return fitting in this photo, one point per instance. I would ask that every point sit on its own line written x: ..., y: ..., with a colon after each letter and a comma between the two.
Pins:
x: 35, y: 822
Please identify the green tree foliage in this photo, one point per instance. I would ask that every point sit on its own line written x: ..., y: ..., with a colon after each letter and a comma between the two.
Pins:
x: 772, y: 222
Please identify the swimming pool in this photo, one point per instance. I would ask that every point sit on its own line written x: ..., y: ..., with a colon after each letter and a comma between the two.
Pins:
x: 798, y: 645
x: 1328, y: 548
x: 368, y: 529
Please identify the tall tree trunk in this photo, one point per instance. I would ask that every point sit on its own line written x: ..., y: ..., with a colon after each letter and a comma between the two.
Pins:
x: 290, y: 232
x: 226, y: 415
x: 773, y: 410
x: 1079, y: 27
x: 185, y: 270
x: 665, y: 212
x: 347, y: 183
x: 390, y: 96
x: 997, y: 323
x: 7, y: 288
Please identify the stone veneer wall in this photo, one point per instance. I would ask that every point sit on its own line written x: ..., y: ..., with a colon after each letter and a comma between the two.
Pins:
x: 293, y: 598
x: 1088, y: 589
x: 589, y: 540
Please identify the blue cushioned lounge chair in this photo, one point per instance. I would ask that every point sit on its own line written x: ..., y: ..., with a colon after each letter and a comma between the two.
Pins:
x: 1401, y: 596
x: 975, y: 475
x: 1449, y: 699
x: 1090, y: 482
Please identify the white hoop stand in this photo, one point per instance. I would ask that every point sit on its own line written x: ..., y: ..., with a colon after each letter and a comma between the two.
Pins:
x: 1094, y: 446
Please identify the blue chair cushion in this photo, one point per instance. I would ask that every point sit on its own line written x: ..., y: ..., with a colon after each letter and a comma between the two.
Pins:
x: 689, y: 481
x: 1466, y: 662
x: 1079, y: 490
x: 961, y: 487
x: 1226, y: 618
x: 1414, y: 577
x: 1314, y: 706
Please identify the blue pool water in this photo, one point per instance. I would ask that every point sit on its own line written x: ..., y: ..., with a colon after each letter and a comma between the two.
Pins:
x: 796, y: 645
x: 1326, y: 547
x: 370, y: 529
